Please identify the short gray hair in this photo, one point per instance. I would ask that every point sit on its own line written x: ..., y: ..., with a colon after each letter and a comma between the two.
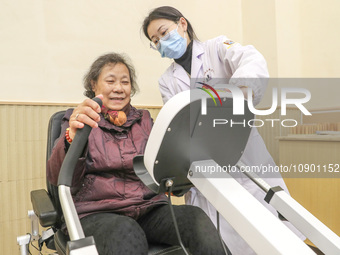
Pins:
x: 97, y: 67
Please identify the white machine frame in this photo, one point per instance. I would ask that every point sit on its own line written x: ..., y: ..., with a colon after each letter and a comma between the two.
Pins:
x: 264, y: 232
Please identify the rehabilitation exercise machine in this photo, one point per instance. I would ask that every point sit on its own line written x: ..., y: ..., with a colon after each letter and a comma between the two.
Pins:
x: 184, y: 141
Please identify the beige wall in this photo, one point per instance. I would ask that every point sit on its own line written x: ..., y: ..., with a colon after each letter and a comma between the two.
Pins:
x: 298, y: 38
x: 47, y: 46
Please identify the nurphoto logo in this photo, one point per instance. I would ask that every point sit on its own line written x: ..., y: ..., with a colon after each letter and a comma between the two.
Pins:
x: 239, y: 98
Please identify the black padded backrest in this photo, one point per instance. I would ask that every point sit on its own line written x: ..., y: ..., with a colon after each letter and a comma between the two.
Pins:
x: 54, y: 129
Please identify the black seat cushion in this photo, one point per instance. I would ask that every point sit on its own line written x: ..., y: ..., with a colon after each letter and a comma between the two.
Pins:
x: 60, y: 242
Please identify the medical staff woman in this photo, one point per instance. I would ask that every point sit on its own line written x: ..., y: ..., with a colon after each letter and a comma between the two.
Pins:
x: 172, y: 35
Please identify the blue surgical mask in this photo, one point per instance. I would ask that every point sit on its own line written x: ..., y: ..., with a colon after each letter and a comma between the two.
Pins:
x: 174, y: 46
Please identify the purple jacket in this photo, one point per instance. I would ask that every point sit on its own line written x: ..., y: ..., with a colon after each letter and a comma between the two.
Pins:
x: 104, y: 180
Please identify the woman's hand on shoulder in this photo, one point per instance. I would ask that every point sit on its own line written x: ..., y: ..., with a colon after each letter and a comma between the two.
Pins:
x: 86, y: 112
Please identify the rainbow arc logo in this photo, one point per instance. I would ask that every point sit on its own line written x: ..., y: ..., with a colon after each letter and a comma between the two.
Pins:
x: 206, y: 88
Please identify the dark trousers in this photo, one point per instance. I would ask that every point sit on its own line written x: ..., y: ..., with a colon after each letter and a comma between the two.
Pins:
x: 117, y: 234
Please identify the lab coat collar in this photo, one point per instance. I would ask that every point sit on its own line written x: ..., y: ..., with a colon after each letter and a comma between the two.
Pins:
x: 180, y: 73
x: 197, y: 63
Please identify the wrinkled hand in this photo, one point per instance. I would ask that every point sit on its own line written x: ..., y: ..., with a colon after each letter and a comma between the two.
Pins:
x: 85, y: 113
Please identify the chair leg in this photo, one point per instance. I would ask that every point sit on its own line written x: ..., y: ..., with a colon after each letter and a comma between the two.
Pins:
x: 23, y: 242
x: 34, y: 225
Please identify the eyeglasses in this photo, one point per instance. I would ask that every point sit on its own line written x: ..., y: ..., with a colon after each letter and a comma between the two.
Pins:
x: 155, y: 45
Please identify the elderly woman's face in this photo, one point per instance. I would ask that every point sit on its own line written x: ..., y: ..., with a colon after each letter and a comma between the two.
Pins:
x: 115, y: 85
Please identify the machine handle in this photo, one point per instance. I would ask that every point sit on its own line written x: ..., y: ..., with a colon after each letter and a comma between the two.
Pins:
x: 74, y: 152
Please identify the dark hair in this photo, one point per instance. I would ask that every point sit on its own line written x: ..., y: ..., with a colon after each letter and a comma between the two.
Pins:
x: 97, y: 67
x: 169, y: 13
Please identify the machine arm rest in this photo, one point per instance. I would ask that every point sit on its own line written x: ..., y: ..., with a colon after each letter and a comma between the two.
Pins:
x: 43, y: 207
x: 146, y: 178
x: 143, y: 174
x: 74, y: 152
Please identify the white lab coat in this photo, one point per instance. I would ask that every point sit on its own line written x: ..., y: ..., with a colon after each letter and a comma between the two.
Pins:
x: 222, y: 58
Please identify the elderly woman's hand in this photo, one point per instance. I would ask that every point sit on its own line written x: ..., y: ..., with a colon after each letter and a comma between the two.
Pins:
x: 85, y: 113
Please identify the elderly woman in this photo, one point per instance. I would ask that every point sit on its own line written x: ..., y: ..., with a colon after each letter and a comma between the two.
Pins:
x: 114, y: 206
